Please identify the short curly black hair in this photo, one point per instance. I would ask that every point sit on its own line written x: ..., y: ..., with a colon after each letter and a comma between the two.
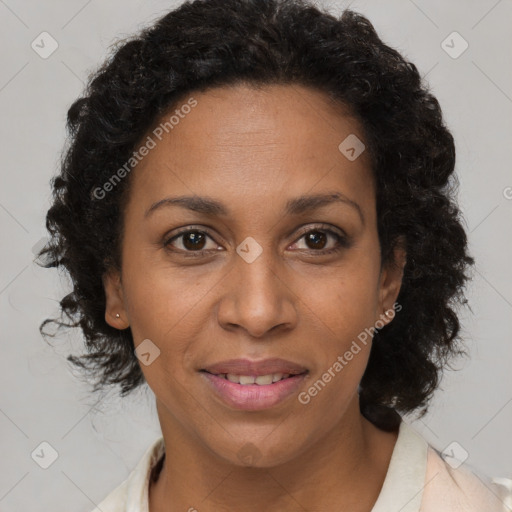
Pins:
x: 213, y: 43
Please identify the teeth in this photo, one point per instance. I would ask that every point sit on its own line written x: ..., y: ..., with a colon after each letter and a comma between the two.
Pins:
x: 261, y: 380
x: 246, y: 379
x: 264, y: 379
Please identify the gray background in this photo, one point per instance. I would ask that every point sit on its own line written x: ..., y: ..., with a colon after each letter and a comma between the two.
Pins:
x: 99, y: 440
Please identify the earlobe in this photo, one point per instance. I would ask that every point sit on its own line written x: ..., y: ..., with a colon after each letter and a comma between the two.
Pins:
x: 115, y: 312
x: 391, y: 281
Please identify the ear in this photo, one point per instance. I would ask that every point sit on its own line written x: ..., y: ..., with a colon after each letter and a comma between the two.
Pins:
x: 115, y: 304
x: 391, y: 281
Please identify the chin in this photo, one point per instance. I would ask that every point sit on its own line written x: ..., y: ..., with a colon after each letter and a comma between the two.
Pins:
x: 251, y: 453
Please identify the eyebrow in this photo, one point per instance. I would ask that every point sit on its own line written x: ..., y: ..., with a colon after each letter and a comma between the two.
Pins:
x: 295, y: 206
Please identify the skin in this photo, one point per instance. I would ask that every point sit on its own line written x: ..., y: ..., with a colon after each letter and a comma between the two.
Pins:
x: 253, y: 149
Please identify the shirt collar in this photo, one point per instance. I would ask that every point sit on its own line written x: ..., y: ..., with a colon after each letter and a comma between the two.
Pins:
x: 405, y: 479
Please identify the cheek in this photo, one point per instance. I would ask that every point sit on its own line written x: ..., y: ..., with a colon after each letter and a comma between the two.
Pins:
x: 158, y: 297
x: 347, y: 298
x: 166, y: 306
x: 344, y: 316
x: 342, y: 311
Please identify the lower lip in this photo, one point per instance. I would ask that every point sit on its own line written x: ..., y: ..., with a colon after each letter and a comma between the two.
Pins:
x: 253, y: 397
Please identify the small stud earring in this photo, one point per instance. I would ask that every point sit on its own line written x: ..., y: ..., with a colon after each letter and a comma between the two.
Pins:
x: 118, y: 315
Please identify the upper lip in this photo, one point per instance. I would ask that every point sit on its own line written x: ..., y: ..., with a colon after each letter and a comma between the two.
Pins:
x: 256, y: 368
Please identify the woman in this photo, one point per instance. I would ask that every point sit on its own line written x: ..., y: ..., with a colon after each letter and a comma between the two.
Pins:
x: 257, y: 212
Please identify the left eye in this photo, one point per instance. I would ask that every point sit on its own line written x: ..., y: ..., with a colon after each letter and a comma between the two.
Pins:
x: 317, y: 239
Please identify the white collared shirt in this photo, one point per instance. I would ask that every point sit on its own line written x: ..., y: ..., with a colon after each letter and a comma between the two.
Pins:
x: 418, y: 480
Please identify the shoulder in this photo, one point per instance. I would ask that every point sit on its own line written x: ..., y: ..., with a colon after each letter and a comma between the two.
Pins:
x: 452, y: 488
x: 420, y: 479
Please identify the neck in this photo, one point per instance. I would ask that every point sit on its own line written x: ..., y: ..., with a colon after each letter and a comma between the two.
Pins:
x: 344, y: 471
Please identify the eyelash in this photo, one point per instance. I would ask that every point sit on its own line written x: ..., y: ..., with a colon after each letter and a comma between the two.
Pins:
x: 342, y: 240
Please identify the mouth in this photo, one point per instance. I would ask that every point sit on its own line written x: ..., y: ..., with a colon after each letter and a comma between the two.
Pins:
x: 259, y: 380
x: 248, y: 368
x: 251, y: 385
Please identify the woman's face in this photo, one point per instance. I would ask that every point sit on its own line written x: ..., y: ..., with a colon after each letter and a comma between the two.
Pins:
x: 262, y: 274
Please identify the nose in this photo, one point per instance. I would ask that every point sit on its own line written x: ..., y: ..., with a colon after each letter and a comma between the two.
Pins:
x: 257, y: 298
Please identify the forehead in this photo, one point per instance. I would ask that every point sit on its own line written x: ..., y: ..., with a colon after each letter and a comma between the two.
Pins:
x: 252, y: 143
